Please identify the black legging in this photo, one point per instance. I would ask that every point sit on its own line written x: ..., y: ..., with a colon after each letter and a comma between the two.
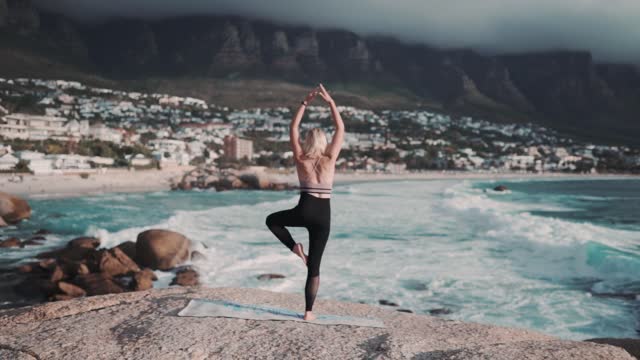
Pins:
x: 314, y: 214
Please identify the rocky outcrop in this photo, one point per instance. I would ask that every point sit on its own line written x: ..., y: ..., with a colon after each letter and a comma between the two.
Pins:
x: 81, y: 269
x: 13, y: 209
x: 142, y: 325
x: 228, y: 179
x: 160, y: 249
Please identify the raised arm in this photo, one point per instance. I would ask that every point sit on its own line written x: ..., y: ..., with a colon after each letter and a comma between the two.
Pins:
x: 333, y: 149
x: 294, y: 129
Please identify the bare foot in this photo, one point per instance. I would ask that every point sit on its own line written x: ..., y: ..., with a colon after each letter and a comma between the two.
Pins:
x: 308, y: 315
x: 298, y: 250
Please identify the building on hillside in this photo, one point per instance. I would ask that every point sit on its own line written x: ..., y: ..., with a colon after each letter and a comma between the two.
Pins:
x: 32, y: 127
x: 237, y: 148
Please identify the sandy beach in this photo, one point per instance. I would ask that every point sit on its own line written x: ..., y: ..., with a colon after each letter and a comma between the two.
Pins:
x: 122, y: 180
x: 69, y: 185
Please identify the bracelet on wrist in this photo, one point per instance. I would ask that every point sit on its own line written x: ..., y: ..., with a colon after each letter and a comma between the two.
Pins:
x: 303, y: 103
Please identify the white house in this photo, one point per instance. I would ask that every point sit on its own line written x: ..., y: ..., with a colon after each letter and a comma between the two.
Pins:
x: 8, y: 161
x: 33, y: 127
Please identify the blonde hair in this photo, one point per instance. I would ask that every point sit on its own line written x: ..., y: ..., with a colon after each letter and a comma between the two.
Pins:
x: 315, y: 143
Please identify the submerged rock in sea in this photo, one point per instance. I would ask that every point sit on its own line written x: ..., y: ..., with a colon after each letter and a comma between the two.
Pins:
x: 500, y: 188
x: 10, y: 242
x: 270, y: 276
x: 142, y: 325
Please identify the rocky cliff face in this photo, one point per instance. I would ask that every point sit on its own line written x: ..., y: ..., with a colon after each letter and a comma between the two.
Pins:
x: 566, y: 88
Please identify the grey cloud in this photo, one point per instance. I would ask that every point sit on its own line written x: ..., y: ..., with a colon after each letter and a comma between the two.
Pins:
x: 609, y: 29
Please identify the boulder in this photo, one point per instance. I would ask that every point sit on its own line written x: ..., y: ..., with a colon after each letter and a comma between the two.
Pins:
x: 71, y: 289
x: 10, y: 242
x: 500, y: 188
x: 387, y: 302
x: 143, y: 280
x: 97, y: 284
x: 160, y: 249
x: 129, y: 248
x: 84, y: 242
x: 42, y: 232
x: 72, y: 253
x: 113, y: 262
x: 13, y: 208
x: 186, y: 277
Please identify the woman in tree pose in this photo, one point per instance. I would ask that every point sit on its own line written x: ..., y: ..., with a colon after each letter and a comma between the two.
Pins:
x: 315, y: 162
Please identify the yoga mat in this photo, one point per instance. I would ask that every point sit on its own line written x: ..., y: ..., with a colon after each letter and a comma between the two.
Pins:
x: 223, y: 308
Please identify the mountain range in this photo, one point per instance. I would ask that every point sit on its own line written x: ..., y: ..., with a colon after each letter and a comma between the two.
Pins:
x: 255, y: 62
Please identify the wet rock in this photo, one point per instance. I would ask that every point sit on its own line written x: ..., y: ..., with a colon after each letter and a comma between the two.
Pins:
x: 61, y: 297
x: 57, y: 274
x: 35, y: 287
x: 13, y: 209
x: 143, y: 280
x: 161, y: 249
x: 113, y: 262
x: 38, y: 238
x: 84, y: 242
x: 386, y: 302
x: 440, y: 311
x: 270, y: 276
x: 71, y: 253
x: 405, y: 310
x: 71, y: 289
x: 10, y: 242
x: 30, y: 243
x: 186, y: 277
x: 98, y: 284
x: 129, y: 248
x: 500, y: 188
x: 42, y: 232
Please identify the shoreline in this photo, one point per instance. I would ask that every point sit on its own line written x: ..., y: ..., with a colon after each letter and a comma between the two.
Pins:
x: 125, y: 181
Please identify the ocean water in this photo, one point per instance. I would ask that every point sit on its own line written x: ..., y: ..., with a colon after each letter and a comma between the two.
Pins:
x: 557, y: 256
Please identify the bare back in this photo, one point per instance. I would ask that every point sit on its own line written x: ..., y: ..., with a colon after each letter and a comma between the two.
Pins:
x: 316, y: 171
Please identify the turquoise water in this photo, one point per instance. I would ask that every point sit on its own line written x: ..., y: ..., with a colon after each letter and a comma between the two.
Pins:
x: 562, y: 257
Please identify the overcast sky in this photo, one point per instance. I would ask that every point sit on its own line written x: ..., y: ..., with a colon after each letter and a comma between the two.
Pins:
x: 610, y: 29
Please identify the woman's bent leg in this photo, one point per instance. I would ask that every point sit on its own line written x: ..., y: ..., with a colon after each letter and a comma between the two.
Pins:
x: 277, y: 221
x: 318, y: 236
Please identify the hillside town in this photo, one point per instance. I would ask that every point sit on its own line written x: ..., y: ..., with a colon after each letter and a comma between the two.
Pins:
x: 56, y: 126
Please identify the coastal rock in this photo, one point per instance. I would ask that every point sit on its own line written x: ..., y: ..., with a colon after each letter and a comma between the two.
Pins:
x: 98, y: 284
x: 114, y: 262
x: 387, y: 302
x: 70, y: 253
x: 84, y: 242
x: 71, y: 289
x: 142, y: 325
x: 143, y: 280
x: 632, y: 346
x: 440, y: 311
x: 129, y: 248
x: 10, y: 242
x: 38, y: 238
x: 186, y: 277
x: 161, y: 249
x: 13, y: 208
x: 270, y: 276
x: 500, y: 188
x: 42, y: 232
x: 405, y: 311
x: 30, y: 242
